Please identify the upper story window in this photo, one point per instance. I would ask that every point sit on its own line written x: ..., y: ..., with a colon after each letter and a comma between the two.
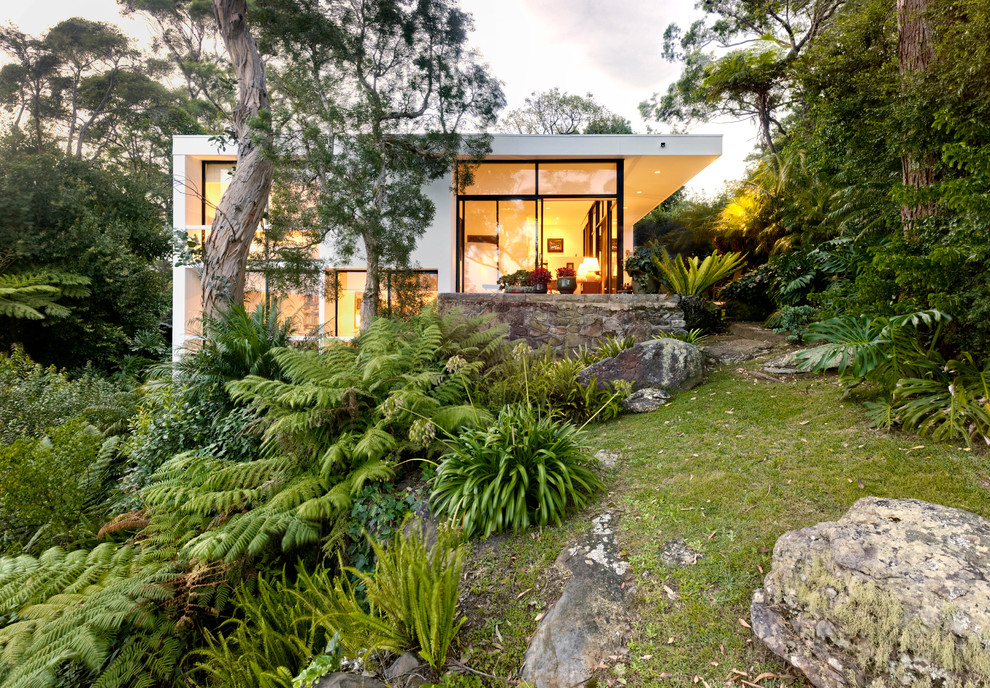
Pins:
x: 216, y: 179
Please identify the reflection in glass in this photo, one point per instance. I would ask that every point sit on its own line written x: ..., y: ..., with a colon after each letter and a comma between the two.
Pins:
x: 584, y: 178
x: 301, y: 307
x: 503, y: 179
x: 517, y: 230
x: 480, y: 246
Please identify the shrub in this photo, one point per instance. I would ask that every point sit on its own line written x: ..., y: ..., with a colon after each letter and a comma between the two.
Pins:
x: 43, y: 495
x: 549, y: 382
x: 273, y: 636
x: 696, y: 336
x: 237, y: 344
x: 525, y: 469
x: 947, y: 400
x: 36, y: 399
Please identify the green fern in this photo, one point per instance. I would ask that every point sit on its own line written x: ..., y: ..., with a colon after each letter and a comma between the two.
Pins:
x: 33, y: 296
x: 97, y: 611
x: 339, y: 419
x: 411, y: 596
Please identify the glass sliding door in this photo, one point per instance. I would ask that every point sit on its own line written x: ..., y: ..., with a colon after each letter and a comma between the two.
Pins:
x: 499, y: 238
x: 479, y: 220
x: 518, y: 242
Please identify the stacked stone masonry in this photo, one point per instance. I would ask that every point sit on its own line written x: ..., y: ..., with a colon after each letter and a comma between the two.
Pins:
x: 569, y: 321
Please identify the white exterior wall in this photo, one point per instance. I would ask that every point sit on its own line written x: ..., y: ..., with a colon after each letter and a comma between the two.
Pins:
x: 680, y: 157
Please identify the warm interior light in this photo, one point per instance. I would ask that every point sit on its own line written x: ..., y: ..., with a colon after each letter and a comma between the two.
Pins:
x: 357, y: 312
x: 588, y: 270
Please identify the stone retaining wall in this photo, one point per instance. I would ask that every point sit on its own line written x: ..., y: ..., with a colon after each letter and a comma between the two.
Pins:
x: 568, y: 321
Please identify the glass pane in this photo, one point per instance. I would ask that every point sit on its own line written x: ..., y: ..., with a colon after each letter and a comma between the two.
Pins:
x: 504, y: 179
x: 302, y: 307
x: 564, y: 224
x: 578, y: 178
x: 516, y: 236
x: 217, y: 176
x: 480, y: 246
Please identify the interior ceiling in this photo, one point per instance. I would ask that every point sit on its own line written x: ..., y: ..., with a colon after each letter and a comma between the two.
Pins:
x: 649, y: 179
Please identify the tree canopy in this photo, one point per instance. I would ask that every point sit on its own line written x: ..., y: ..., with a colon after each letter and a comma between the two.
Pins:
x: 556, y: 112
x: 370, y: 103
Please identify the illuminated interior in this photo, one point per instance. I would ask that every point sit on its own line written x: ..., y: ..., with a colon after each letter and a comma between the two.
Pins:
x: 301, y: 307
x: 401, y: 294
x: 216, y: 179
x: 523, y: 215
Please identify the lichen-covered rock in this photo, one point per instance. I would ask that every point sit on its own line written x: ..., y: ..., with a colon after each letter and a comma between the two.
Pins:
x: 342, y: 679
x: 895, y: 593
x: 645, y: 400
x: 660, y: 363
x: 589, y: 622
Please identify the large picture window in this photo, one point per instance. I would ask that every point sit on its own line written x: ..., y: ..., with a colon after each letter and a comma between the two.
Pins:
x: 527, y: 214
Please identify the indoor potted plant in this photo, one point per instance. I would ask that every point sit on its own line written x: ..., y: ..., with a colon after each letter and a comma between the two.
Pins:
x: 515, y: 282
x: 566, y: 280
x: 540, y: 278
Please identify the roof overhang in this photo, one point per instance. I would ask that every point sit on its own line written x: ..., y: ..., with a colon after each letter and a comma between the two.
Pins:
x: 654, y: 166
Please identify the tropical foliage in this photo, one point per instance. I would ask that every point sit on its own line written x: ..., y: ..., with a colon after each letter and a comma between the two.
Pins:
x: 948, y: 400
x: 692, y: 276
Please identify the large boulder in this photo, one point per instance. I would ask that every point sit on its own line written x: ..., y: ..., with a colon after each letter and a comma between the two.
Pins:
x: 590, y: 621
x: 895, y: 593
x: 662, y: 363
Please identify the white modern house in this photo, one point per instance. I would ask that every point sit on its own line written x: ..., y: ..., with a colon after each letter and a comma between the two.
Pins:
x: 536, y: 200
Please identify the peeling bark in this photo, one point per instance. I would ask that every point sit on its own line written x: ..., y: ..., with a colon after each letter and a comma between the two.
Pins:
x: 242, y: 206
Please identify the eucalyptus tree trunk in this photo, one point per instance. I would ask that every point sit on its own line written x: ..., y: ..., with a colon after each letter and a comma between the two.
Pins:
x: 914, y: 54
x: 372, y: 283
x: 242, y: 206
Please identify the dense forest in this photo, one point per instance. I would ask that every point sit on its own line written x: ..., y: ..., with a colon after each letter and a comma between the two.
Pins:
x: 235, y: 518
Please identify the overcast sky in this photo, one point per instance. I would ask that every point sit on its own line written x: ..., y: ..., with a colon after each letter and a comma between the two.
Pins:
x: 609, y: 48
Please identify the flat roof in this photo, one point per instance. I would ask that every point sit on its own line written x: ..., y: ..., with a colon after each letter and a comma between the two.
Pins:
x: 655, y: 165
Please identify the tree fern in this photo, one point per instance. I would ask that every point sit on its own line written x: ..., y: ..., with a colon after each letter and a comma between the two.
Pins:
x: 97, y: 611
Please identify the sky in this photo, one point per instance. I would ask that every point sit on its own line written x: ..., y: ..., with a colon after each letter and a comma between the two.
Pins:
x: 608, y: 48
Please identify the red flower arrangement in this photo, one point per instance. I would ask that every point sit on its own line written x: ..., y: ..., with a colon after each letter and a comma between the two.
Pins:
x: 565, y: 272
x: 540, y: 276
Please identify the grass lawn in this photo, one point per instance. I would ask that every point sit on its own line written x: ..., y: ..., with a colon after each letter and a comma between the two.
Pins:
x: 727, y: 468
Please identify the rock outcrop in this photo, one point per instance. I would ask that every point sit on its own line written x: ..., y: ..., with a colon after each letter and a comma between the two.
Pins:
x: 895, y: 593
x: 589, y: 622
x: 662, y: 363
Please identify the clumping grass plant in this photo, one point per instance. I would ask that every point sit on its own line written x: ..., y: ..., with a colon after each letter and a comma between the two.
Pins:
x: 526, y: 469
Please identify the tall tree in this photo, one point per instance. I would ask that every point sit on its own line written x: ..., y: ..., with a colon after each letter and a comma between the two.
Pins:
x: 186, y: 34
x: 915, y: 52
x: 738, y: 61
x: 375, y: 96
x: 556, y: 112
x: 242, y: 207
x: 83, y: 88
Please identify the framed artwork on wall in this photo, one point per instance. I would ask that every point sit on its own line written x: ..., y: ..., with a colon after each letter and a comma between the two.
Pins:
x: 570, y: 266
x: 555, y: 245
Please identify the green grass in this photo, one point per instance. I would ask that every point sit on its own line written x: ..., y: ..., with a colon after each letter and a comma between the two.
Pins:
x: 727, y: 468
